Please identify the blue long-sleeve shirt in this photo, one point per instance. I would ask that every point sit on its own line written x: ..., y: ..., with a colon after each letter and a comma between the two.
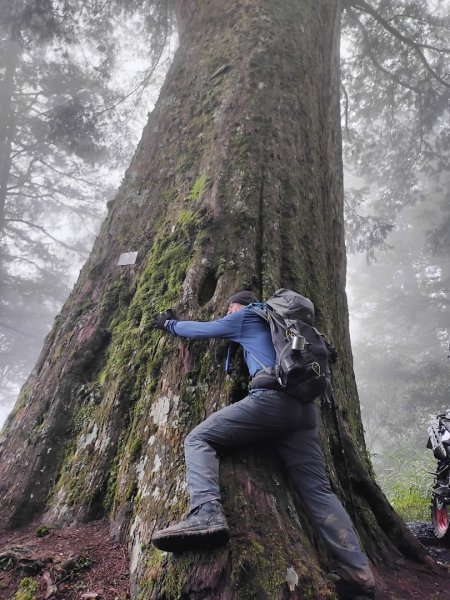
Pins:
x: 244, y: 327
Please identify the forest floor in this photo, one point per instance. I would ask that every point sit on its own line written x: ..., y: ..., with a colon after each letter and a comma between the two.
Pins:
x: 84, y: 563
x: 69, y: 563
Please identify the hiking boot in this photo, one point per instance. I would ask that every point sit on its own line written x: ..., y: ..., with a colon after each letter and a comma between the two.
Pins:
x: 355, y: 584
x: 204, y: 527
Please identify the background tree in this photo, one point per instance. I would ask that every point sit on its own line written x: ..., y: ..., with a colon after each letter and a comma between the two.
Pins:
x: 400, y: 340
x: 236, y: 181
x: 397, y: 156
x: 66, y: 133
x: 397, y: 139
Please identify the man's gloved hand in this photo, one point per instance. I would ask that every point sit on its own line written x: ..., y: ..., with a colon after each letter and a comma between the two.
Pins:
x: 162, y: 318
x: 332, y: 355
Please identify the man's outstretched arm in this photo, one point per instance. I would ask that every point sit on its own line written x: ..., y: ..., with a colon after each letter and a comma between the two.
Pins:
x: 228, y: 328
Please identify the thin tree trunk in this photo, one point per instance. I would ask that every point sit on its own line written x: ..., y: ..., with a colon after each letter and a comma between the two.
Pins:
x: 237, y: 181
x: 7, y: 124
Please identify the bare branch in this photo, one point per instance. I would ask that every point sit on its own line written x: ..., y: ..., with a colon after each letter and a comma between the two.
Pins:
x: 419, y: 20
x: 45, y: 232
x: 433, y: 152
x: 18, y: 153
x: 12, y: 258
x: 69, y: 175
x: 24, y: 333
x: 32, y: 196
x: 140, y: 87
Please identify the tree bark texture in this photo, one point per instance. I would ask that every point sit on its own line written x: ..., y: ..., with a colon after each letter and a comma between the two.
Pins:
x: 237, y: 181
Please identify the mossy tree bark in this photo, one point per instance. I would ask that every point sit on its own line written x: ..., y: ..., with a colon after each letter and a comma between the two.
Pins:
x: 237, y: 181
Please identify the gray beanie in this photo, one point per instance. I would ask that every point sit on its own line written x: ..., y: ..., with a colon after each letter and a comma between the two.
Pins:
x: 243, y: 297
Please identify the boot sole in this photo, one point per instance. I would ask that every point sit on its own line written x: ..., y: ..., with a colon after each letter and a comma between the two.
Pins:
x: 191, y: 540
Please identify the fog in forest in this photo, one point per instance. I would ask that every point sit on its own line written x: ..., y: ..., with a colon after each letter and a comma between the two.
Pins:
x: 71, y: 113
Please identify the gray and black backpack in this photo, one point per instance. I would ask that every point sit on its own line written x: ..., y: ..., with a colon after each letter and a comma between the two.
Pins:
x: 302, y: 353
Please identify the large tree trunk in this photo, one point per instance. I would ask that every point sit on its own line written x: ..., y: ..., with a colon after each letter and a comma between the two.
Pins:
x: 237, y: 181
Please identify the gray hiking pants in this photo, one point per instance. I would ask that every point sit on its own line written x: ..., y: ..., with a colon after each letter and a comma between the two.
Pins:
x: 292, y: 429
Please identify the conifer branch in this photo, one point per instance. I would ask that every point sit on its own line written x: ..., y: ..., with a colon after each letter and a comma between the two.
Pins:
x: 416, y: 46
x: 353, y: 17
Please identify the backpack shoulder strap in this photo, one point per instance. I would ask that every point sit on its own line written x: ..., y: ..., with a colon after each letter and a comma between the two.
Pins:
x: 261, y: 309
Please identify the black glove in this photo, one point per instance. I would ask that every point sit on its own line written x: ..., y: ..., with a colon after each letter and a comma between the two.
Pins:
x: 162, y: 318
x: 332, y: 353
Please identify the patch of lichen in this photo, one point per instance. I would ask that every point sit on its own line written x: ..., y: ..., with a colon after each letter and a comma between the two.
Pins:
x: 131, y: 490
x: 184, y: 163
x: 124, y: 464
x: 61, y: 347
x: 240, y: 146
x: 77, y: 494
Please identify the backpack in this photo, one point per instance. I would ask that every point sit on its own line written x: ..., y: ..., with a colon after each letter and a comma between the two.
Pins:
x: 301, y: 368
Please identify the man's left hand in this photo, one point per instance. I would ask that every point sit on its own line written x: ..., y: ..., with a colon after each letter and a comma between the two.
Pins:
x: 161, y: 319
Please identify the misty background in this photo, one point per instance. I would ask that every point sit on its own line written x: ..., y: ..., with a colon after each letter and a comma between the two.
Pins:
x: 76, y: 89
